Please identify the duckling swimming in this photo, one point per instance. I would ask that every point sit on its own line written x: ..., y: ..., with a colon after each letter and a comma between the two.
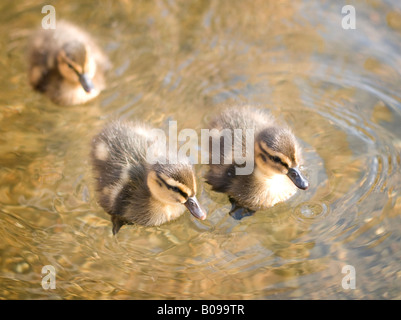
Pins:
x: 66, y: 64
x: 276, y: 157
x: 133, y: 191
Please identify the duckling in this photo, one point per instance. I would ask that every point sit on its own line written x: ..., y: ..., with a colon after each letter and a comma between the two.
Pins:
x: 66, y: 64
x: 276, y: 157
x: 131, y: 189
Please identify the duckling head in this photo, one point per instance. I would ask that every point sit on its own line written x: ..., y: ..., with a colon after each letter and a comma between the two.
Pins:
x: 76, y: 65
x: 175, y: 184
x: 278, y: 153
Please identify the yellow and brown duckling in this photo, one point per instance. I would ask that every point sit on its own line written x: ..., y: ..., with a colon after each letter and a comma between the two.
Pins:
x: 131, y: 189
x: 276, y: 158
x: 66, y: 64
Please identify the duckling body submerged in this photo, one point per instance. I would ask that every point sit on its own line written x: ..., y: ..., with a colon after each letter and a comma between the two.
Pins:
x: 132, y: 190
x: 66, y: 64
x: 276, y: 157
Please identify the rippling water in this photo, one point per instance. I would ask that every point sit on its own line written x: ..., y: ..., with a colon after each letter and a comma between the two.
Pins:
x: 185, y: 60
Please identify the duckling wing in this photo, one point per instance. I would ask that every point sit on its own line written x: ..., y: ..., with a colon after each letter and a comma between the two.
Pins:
x: 119, y: 151
x: 118, y: 157
x: 232, y: 125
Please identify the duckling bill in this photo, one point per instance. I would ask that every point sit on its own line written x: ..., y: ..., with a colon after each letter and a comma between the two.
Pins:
x: 133, y: 191
x: 66, y: 64
x: 276, y: 160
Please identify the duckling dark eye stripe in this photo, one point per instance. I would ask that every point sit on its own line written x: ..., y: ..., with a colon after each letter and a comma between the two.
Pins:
x: 75, y: 70
x: 272, y: 157
x: 171, y: 187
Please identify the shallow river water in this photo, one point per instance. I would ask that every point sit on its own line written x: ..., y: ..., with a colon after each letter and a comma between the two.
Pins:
x: 186, y: 60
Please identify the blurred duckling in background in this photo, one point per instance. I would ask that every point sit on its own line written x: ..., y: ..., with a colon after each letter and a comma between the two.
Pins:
x: 276, y: 158
x: 66, y: 64
x: 133, y: 191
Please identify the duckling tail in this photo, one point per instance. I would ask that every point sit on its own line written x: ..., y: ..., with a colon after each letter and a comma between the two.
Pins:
x: 117, y: 224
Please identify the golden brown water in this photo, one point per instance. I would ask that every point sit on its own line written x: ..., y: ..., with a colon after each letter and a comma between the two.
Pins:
x: 185, y: 60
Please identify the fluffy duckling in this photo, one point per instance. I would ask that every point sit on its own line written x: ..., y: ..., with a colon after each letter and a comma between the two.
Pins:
x: 276, y: 157
x: 133, y: 191
x: 66, y: 64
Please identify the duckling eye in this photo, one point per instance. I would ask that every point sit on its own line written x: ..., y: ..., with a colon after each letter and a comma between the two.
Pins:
x: 70, y: 66
x: 276, y: 159
x: 175, y: 189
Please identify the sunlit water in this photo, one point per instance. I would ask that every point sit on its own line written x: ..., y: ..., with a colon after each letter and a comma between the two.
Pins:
x: 186, y: 60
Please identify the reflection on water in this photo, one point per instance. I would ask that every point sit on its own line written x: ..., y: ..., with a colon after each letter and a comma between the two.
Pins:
x: 185, y: 60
